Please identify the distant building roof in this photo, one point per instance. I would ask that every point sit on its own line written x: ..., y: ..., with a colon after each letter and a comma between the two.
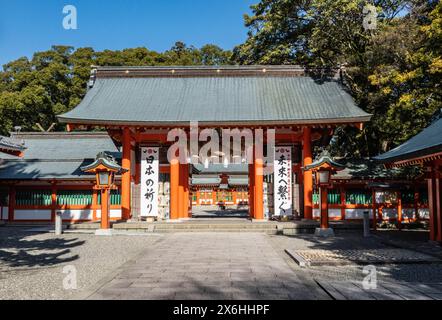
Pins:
x: 220, y: 168
x: 426, y: 143
x: 11, y: 145
x: 213, y: 95
x: 55, y: 156
x: 364, y: 169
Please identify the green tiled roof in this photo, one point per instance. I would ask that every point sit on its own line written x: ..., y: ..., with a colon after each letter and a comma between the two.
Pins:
x: 55, y: 156
x: 156, y: 96
x: 427, y: 142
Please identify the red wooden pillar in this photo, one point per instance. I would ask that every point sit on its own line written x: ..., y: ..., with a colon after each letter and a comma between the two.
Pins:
x: 126, y: 176
x: 174, y: 189
x: 252, y: 190
x: 94, y: 205
x: 399, y: 210
x: 181, y: 209
x: 324, y: 207
x: 187, y: 201
x: 416, y: 203
x: 215, y: 197
x: 105, y: 221
x: 439, y: 207
x: 259, y: 189
x: 432, y: 201
x: 343, y: 202
x: 308, y: 176
x: 11, y: 203
x: 374, y: 208
x: 53, y: 201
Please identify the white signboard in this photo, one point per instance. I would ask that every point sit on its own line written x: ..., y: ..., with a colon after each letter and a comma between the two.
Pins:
x: 283, y: 181
x: 150, y: 169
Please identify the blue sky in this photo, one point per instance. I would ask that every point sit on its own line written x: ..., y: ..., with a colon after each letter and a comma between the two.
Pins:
x: 27, y: 26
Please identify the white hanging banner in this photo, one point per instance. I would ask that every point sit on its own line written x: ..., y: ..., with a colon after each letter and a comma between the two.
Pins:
x: 150, y: 171
x: 283, y: 181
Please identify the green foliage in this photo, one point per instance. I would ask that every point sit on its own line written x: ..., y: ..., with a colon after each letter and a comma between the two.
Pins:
x: 54, y: 81
x: 393, y: 72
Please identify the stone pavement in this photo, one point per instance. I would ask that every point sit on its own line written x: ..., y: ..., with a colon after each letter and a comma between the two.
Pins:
x: 209, y: 266
x: 354, y: 290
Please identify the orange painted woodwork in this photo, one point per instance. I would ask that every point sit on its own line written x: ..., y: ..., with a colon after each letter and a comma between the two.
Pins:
x: 251, y: 190
x: 324, y: 208
x: 54, y: 202
x: 126, y: 176
x: 185, y: 183
x: 343, y: 203
x: 374, y: 207
x: 11, y: 204
x: 399, y: 210
x: 416, y: 203
x: 432, y: 200
x: 105, y: 222
x: 438, y: 197
x: 94, y: 205
x: 259, y: 189
x: 182, y: 207
x: 308, y: 176
x: 174, y: 189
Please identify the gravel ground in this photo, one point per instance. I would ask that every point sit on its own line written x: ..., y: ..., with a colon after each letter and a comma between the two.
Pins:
x: 31, y: 265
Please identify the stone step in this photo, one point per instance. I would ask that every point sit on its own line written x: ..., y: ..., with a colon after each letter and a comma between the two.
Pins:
x: 226, y: 230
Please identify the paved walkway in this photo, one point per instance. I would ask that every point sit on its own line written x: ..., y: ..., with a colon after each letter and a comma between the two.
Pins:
x: 354, y: 290
x: 209, y: 266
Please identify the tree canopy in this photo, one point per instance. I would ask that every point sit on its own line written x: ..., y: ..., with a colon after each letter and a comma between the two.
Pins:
x: 33, y: 91
x: 392, y: 68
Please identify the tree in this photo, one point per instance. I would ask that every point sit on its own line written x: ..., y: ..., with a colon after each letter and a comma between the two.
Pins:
x: 392, y: 72
x: 54, y: 81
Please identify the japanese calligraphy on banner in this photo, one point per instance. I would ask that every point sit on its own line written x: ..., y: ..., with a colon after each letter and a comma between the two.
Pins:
x: 283, y: 181
x: 150, y: 168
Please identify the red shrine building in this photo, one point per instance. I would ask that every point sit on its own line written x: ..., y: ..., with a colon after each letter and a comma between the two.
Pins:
x: 140, y: 106
x: 424, y: 150
x: 173, y: 131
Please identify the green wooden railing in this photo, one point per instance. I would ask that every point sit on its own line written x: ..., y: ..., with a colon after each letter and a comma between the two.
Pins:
x: 334, y: 197
x: 115, y: 198
x: 74, y: 197
x: 362, y: 197
x: 33, y: 198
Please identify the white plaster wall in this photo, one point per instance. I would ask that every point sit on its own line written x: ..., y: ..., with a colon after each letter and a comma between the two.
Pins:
x: 316, y: 213
x: 32, y: 214
x: 357, y: 213
x: 116, y: 213
x: 408, y: 213
x: 76, y: 214
x: 334, y: 213
x: 424, y: 213
x: 4, y: 213
x: 389, y: 213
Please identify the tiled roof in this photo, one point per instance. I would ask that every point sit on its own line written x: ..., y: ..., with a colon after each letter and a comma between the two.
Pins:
x: 55, y: 155
x: 233, y: 95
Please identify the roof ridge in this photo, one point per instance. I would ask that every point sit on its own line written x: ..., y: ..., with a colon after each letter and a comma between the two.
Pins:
x: 55, y: 135
x: 209, y: 71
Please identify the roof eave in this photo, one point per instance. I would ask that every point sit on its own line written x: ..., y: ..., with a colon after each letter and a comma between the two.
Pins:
x: 411, y: 156
x: 171, y: 123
